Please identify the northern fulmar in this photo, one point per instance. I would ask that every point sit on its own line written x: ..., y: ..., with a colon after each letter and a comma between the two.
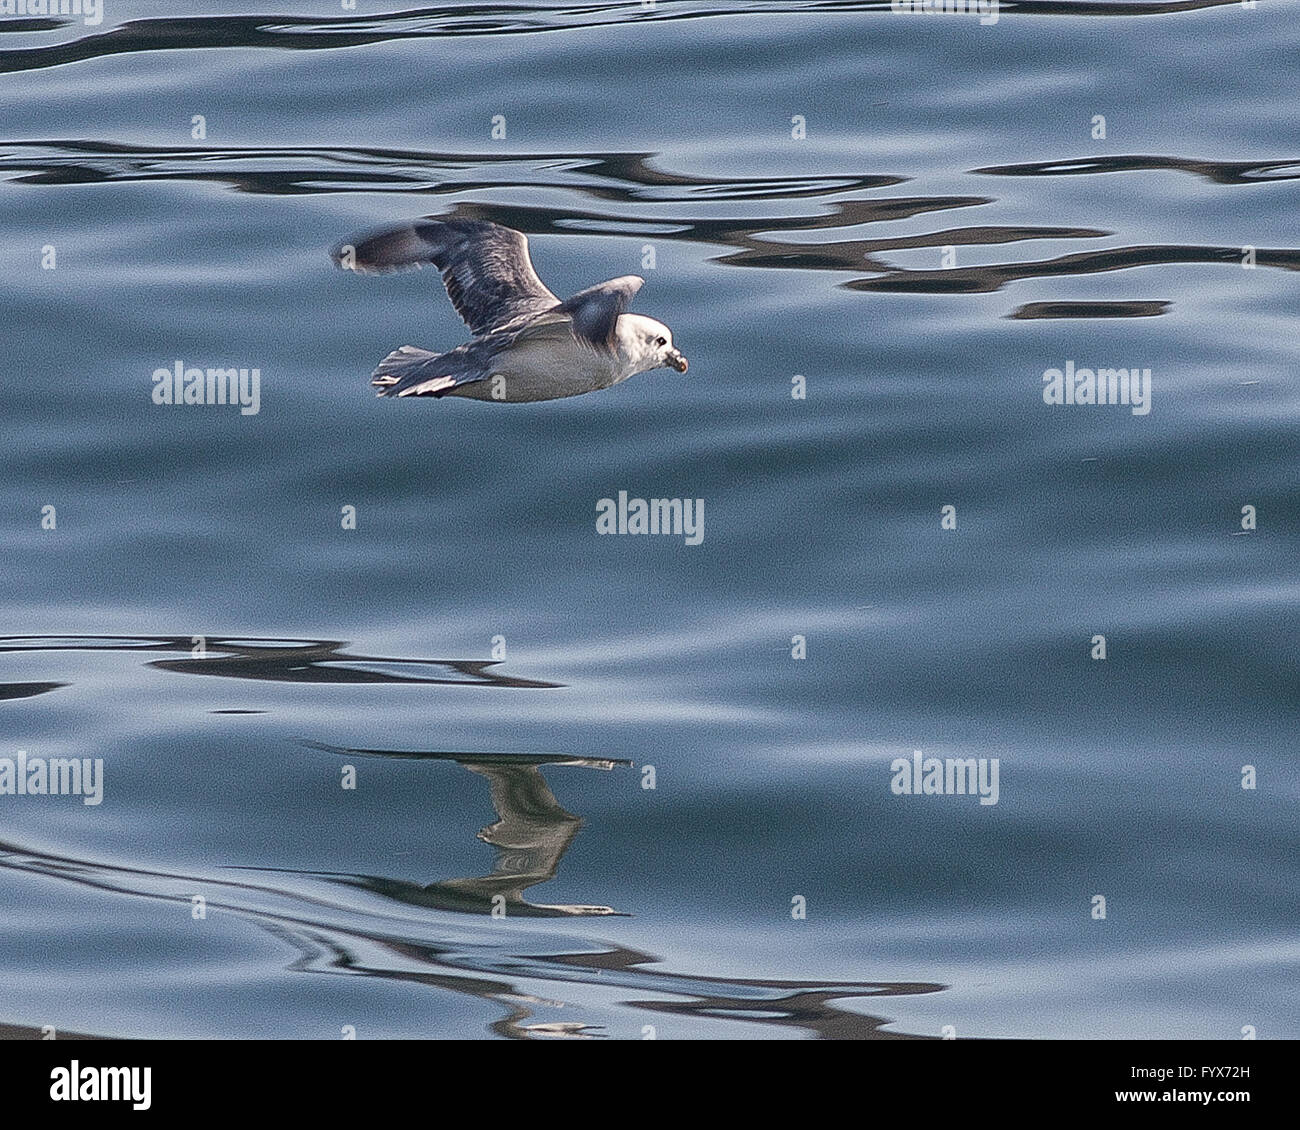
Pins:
x: 528, y: 345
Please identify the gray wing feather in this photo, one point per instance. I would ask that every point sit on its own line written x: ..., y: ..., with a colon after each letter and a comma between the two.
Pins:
x: 595, y: 311
x: 488, y: 274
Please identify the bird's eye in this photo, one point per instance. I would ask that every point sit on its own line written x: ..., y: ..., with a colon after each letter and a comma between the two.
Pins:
x: 661, y: 341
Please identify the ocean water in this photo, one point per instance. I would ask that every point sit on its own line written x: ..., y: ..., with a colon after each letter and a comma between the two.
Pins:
x: 393, y: 780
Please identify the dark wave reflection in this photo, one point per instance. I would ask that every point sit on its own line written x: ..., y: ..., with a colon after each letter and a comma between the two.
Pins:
x: 640, y: 199
x: 291, y: 661
x: 1137, y: 309
x: 621, y: 178
x: 1220, y: 172
x: 27, y: 690
x: 331, y: 936
x: 308, y: 33
x: 994, y: 276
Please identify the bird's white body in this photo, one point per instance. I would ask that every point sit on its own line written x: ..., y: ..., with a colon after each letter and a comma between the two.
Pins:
x: 549, y: 362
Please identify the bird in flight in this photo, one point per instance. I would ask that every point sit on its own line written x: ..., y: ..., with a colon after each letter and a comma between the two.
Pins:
x: 528, y: 345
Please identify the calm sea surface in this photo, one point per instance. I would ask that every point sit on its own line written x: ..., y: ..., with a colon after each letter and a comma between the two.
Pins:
x: 393, y: 778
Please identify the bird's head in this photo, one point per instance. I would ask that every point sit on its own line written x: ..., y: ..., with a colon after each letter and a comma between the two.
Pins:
x: 655, y: 344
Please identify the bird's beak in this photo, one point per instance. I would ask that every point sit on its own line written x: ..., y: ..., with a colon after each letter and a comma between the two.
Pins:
x: 676, y: 360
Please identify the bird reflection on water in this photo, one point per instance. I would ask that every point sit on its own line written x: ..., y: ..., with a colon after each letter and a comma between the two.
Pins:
x: 531, y: 834
x: 334, y: 934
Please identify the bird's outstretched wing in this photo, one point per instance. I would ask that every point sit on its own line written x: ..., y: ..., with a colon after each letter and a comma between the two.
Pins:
x: 489, y: 277
x: 595, y: 311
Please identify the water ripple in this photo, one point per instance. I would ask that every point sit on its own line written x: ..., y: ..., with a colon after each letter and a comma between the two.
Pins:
x: 334, y: 936
x: 627, y: 181
x: 294, y: 661
x: 306, y: 33
x: 1219, y: 172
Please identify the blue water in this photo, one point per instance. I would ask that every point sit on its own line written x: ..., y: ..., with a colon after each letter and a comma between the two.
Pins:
x: 948, y: 229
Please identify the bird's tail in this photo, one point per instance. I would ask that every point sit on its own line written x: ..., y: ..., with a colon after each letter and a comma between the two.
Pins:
x: 411, y: 371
